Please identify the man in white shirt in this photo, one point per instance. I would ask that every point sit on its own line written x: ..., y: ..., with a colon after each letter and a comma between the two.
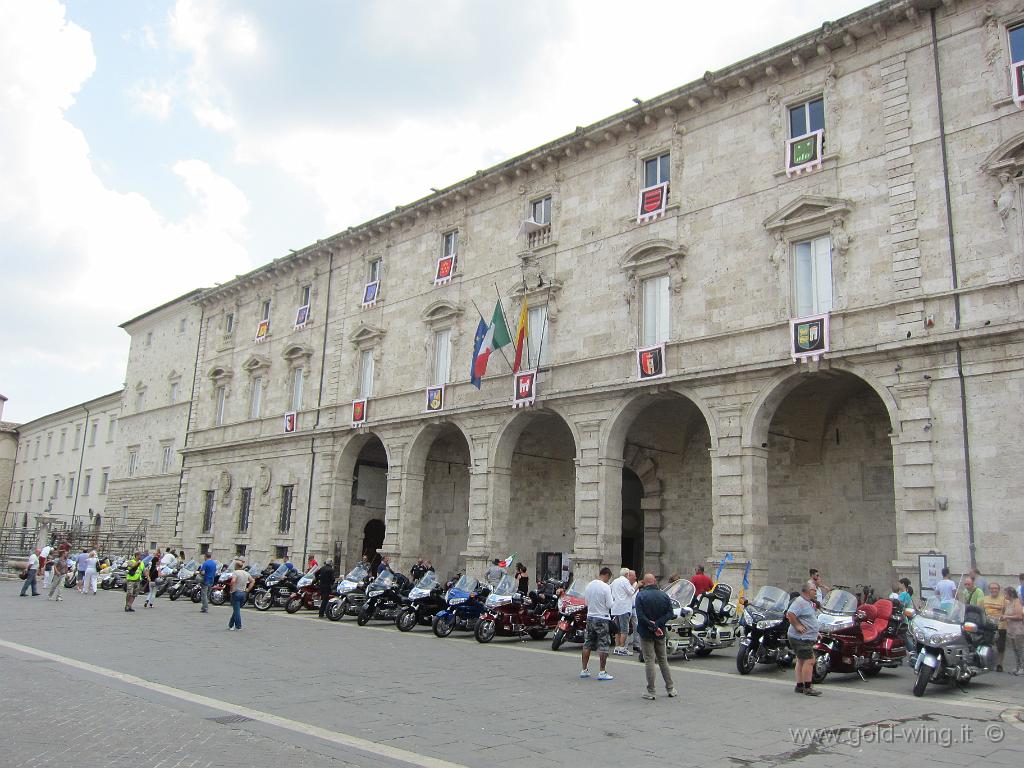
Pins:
x: 598, y: 597
x: 623, y: 592
x: 44, y: 560
x: 30, y: 579
x: 946, y: 587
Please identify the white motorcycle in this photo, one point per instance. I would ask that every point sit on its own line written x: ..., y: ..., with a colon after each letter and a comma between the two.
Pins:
x: 956, y: 642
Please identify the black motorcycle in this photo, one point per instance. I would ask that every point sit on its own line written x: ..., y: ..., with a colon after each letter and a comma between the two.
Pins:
x: 278, y: 587
x: 765, y: 627
x: 422, y: 603
x: 349, y: 593
x: 383, y: 597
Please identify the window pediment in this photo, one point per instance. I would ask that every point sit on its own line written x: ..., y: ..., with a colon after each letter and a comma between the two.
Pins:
x: 256, y: 364
x: 366, y: 335
x: 1008, y: 157
x: 652, y: 258
x: 220, y: 375
x: 441, y: 312
x: 807, y: 210
x: 297, y: 353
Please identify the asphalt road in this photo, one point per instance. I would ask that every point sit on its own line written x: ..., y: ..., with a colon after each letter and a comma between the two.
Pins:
x: 87, y: 684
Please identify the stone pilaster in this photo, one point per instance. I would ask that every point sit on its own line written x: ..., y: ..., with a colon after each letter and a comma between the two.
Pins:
x: 598, y: 510
x: 913, y: 476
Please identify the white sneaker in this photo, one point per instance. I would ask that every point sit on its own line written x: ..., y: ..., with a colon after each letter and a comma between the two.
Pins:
x: 619, y: 651
x: 604, y: 676
x: 585, y: 673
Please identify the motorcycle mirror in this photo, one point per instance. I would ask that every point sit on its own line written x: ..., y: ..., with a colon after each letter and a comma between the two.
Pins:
x: 909, y: 613
x: 970, y: 626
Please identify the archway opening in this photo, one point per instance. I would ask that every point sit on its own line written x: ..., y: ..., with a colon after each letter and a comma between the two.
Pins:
x: 831, y: 500
x: 368, y: 501
x: 445, y: 523
x: 373, y: 538
x: 632, y: 521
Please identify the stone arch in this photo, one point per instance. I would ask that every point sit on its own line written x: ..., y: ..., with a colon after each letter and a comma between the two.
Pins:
x: 614, y: 432
x: 349, y: 516
x: 506, y: 437
x: 419, y: 446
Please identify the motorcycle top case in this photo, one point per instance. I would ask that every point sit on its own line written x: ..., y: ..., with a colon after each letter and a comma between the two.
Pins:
x: 722, y: 591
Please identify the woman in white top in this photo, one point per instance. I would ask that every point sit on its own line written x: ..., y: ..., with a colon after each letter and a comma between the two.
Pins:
x: 90, y: 573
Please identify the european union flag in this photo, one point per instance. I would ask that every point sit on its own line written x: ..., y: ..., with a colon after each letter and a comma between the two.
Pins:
x: 481, y: 331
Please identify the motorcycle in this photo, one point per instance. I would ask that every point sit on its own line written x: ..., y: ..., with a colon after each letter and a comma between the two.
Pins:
x: 219, y: 592
x: 679, y: 635
x: 572, y: 618
x: 349, y: 593
x: 510, y: 614
x: 278, y: 588
x: 765, y: 631
x: 306, y: 593
x: 864, y: 639
x: 383, y: 598
x: 186, y: 580
x: 422, y: 603
x: 464, y: 605
x: 166, y: 577
x: 115, y: 576
x: 956, y: 642
x: 713, y: 620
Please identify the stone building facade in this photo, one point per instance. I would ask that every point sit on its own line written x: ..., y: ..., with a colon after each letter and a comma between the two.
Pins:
x: 146, y: 472
x: 867, y: 174
x: 65, y: 463
x: 8, y: 456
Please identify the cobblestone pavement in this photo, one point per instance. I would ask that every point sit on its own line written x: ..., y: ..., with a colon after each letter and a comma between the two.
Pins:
x: 349, y: 694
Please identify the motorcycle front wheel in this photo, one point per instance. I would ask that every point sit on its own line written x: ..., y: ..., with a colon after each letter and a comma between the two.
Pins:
x: 872, y: 671
x: 820, y: 671
x: 293, y: 604
x: 197, y: 596
x: 406, y: 620
x: 175, y: 594
x: 702, y: 652
x: 364, y: 616
x: 335, y: 610
x: 557, y: 640
x: 924, y: 675
x: 443, y: 625
x: 162, y: 589
x: 263, y: 600
x: 69, y: 581
x: 538, y: 634
x: 218, y: 597
x: 484, y: 631
x: 746, y: 660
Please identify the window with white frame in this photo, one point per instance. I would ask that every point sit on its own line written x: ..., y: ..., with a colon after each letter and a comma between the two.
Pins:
x: 450, y: 243
x: 157, y: 511
x: 304, y: 294
x: 175, y: 391
x: 256, y: 397
x: 229, y: 323
x: 373, y: 271
x: 442, y: 362
x: 86, y: 482
x: 812, y: 276
x: 133, y: 461
x: 540, y: 210
x: 806, y: 118
x: 297, y: 379
x: 366, y: 373
x: 104, y: 480
x: 1015, y: 35
x: 654, y: 310
x: 265, y: 310
x: 537, y: 338
x: 656, y: 170
x: 71, y: 485
x: 220, y: 395
x: 63, y: 440
x: 166, y: 457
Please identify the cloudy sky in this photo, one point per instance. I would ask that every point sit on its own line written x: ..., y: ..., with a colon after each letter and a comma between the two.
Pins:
x: 149, y: 147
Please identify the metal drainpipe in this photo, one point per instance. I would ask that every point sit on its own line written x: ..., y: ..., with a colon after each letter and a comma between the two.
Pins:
x: 319, y: 399
x: 81, y: 460
x: 188, y: 420
x: 956, y: 295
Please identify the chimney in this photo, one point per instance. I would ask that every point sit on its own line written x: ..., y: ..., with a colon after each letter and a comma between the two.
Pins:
x: 2, y: 401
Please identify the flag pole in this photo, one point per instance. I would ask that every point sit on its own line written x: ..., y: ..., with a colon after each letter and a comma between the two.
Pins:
x: 526, y: 341
x: 543, y: 335
x: 500, y: 349
x: 502, y: 308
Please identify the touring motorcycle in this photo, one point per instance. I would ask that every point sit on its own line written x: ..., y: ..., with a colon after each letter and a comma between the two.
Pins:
x: 863, y: 639
x: 422, y: 603
x: 765, y: 631
x: 383, y: 597
x: 278, y: 588
x: 349, y: 593
x: 572, y: 618
x: 464, y: 605
x: 956, y: 642
x: 510, y: 614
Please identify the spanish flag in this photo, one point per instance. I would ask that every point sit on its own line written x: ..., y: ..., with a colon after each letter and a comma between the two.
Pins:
x: 522, y: 331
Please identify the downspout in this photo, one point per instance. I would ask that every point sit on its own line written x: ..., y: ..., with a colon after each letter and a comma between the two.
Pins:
x: 81, y: 460
x: 972, y: 545
x: 188, y: 421
x: 319, y: 400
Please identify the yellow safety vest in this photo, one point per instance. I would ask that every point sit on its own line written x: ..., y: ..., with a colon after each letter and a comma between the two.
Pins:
x: 139, y: 568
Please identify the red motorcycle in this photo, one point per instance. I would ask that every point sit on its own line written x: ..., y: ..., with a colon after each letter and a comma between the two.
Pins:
x: 306, y: 594
x: 509, y: 614
x: 862, y: 639
x: 572, y: 618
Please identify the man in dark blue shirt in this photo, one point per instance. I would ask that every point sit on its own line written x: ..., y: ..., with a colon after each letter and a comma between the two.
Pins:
x: 653, y: 610
x: 209, y: 572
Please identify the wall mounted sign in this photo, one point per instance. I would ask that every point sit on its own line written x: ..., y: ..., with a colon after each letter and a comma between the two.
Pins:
x: 809, y: 337
x: 370, y: 293
x: 803, y: 154
x: 525, y: 389
x: 435, y: 399
x: 650, y: 362
x: 929, y: 568
x: 301, y: 317
x: 262, y: 330
x: 445, y: 270
x: 358, y: 412
x: 291, y: 422
x: 653, y: 202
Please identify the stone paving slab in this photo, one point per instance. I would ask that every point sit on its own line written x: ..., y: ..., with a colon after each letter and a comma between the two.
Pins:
x: 502, y: 704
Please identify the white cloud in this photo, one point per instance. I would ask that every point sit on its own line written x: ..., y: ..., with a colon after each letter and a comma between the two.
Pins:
x: 152, y: 99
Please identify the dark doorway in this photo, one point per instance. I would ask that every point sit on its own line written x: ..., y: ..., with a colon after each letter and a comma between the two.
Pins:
x: 373, y: 538
x: 632, y: 522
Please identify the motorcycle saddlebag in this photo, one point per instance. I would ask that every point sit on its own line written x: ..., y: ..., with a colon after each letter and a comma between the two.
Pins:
x: 722, y: 591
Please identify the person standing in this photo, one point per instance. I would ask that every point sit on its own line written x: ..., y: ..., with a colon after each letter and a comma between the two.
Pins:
x: 134, y: 571
x: 494, y: 573
x: 994, y: 604
x: 325, y: 583
x: 30, y: 574
x: 972, y: 595
x: 80, y: 560
x: 241, y: 583
x: 653, y: 610
x: 60, y: 568
x: 803, y: 631
x: 89, y: 574
x: 1013, y: 615
x: 820, y: 588
x: 623, y: 592
x: 209, y: 573
x: 701, y: 581
x: 598, y: 597
x: 945, y: 588
x: 522, y: 579
x: 154, y: 574
x: 46, y: 564
x: 979, y: 581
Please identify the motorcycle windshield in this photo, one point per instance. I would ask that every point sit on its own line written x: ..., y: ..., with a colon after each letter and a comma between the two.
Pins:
x: 357, y: 574
x: 682, y: 591
x: 311, y: 572
x: 427, y: 582
x: 189, y: 566
x: 466, y: 584
x: 840, y: 601
x: 771, y: 599
x: 281, y: 572
x: 574, y: 590
x: 948, y: 611
x: 506, y: 587
x: 385, y: 579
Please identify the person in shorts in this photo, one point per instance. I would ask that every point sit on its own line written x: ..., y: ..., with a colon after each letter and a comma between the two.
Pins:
x: 802, y: 634
x: 598, y: 597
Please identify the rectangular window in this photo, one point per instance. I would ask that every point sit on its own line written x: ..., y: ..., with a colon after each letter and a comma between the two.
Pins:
x: 442, y: 357
x: 1016, y: 35
x: 537, y: 338
x: 42, y: 488
x: 166, y: 456
x: 450, y: 244
x: 304, y: 295
x: 281, y: 553
x: 157, y: 509
x: 229, y: 323
x: 63, y: 441
x: 812, y: 276
x: 806, y: 118
x: 78, y: 436
x: 284, y: 521
x: 373, y: 272
x: 208, y: 506
x: 256, y: 397
x: 111, y: 429
x: 31, y: 487
x: 21, y: 490
x: 240, y: 550
x: 94, y: 433
x: 71, y: 485
x: 175, y: 391
x: 36, y: 454
x: 654, y: 310
x: 124, y: 514
x: 366, y: 373
x: 104, y: 480
x: 86, y: 482
x: 133, y: 462
x: 204, y: 549
x: 244, y: 509
x: 149, y: 339
x: 140, y: 400
x: 218, y: 414
x: 540, y: 210
x: 265, y: 310
x: 656, y: 170
x: 182, y: 325
x: 297, y: 390
x: 49, y: 443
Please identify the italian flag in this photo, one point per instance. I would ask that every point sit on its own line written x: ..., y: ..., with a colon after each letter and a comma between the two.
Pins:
x: 522, y: 330
x: 497, y: 336
x: 507, y: 562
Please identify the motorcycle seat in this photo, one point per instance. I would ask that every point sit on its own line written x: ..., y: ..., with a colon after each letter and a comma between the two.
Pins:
x: 877, y: 620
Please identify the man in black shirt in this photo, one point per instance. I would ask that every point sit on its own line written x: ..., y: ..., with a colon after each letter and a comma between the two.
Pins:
x: 325, y: 583
x: 653, y: 610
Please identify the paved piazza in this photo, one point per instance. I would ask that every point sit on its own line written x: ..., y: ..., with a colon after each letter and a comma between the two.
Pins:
x: 86, y: 684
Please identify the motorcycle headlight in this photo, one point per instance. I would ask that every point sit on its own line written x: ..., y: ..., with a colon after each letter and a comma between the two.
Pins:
x: 375, y: 592
x: 917, y: 633
x: 574, y: 609
x: 457, y: 601
x: 768, y: 623
x: 939, y: 638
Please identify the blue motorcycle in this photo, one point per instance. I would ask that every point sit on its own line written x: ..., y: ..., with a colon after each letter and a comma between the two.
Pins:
x: 464, y: 607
